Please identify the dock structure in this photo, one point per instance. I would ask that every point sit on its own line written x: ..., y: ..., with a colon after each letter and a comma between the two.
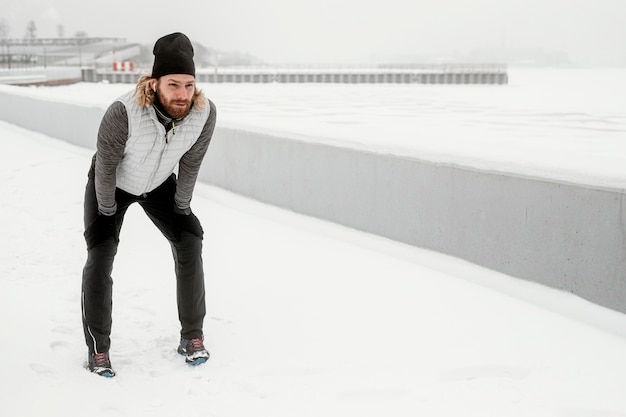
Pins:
x: 423, y: 74
x: 40, y: 60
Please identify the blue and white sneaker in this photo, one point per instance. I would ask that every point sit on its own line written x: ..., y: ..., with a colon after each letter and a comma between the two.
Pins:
x: 100, y: 364
x: 193, y: 350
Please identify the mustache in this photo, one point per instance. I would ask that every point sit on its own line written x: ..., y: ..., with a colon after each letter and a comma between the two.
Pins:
x: 166, y: 102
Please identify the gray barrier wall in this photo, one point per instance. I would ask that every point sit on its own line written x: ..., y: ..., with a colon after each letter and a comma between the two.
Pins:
x: 70, y: 122
x: 563, y: 235
x: 566, y: 236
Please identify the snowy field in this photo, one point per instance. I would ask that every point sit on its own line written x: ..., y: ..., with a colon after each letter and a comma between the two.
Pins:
x: 306, y: 318
x: 563, y: 124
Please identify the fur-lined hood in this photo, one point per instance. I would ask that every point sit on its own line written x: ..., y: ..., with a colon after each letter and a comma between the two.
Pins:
x: 144, y: 96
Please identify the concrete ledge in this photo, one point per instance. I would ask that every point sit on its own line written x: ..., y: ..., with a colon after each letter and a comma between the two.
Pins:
x: 565, y: 236
x: 72, y: 123
x: 41, y: 76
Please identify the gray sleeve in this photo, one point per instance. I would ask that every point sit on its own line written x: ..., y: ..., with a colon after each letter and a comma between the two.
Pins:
x: 189, y: 164
x: 112, y: 137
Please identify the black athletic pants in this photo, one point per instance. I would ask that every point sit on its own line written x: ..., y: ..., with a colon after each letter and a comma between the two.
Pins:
x: 102, y: 236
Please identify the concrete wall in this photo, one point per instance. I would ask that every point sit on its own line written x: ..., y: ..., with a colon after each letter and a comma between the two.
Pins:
x: 563, y: 235
x: 70, y: 122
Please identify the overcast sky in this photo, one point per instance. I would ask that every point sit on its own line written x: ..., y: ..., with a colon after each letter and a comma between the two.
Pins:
x: 588, y: 31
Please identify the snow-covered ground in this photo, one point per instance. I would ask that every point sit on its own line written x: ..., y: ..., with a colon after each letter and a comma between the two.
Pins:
x: 306, y: 318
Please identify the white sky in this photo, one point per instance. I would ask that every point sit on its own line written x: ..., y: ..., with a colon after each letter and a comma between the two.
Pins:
x: 589, y: 31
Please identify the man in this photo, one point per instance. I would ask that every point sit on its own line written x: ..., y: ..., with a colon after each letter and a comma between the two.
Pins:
x: 165, y: 122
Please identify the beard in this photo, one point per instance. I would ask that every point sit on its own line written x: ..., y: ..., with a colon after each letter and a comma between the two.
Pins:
x: 177, y: 109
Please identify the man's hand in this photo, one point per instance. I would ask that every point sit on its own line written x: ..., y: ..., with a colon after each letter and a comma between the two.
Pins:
x: 185, y: 220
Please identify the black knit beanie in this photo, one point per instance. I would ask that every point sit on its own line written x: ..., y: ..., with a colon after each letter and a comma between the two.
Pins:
x: 173, y: 54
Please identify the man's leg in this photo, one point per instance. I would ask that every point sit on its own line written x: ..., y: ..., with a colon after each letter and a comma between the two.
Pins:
x: 185, y: 236
x: 96, y: 297
x: 190, y: 292
x: 102, y: 237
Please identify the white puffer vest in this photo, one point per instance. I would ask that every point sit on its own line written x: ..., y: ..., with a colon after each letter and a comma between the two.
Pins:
x: 151, y: 154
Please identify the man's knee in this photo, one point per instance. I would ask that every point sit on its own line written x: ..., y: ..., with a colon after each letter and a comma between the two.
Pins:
x: 188, y: 224
x: 187, y: 248
x: 102, y: 232
x: 101, y: 256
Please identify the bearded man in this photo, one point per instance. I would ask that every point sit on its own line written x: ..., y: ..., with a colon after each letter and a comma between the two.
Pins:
x: 164, y: 123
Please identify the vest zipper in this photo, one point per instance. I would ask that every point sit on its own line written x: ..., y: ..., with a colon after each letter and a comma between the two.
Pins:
x: 173, y: 131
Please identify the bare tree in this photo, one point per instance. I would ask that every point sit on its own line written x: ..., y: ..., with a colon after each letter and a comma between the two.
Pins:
x: 5, y: 29
x: 31, y: 30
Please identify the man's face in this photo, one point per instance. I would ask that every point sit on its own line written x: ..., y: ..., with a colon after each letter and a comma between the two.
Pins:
x: 175, y: 91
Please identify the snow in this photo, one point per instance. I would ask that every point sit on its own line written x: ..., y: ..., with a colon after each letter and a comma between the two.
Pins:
x: 305, y: 318
x: 567, y: 125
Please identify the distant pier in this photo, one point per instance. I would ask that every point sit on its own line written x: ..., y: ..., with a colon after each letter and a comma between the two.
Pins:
x: 422, y: 74
x: 35, y: 61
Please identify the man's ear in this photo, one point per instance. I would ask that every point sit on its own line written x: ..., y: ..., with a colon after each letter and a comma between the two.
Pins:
x: 153, y: 84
